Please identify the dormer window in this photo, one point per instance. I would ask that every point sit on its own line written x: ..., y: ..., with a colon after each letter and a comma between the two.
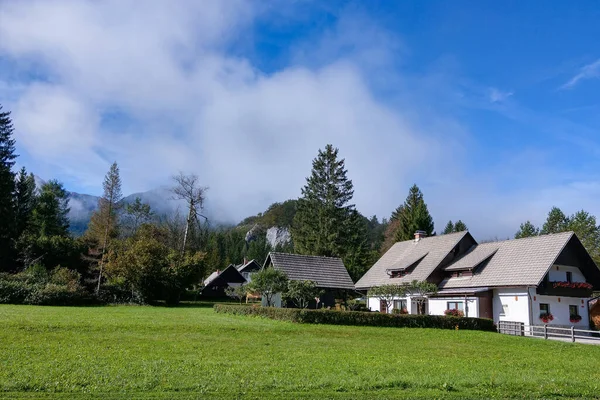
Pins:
x: 398, y: 274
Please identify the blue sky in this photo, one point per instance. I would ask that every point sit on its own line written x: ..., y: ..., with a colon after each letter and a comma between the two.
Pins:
x: 492, y: 108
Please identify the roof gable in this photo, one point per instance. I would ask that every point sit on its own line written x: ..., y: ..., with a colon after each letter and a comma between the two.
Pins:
x: 250, y: 266
x: 432, y: 251
x: 516, y: 262
x: 326, y: 272
x: 222, y: 278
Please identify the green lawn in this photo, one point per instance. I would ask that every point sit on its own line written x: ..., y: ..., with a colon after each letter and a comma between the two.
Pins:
x: 145, y: 352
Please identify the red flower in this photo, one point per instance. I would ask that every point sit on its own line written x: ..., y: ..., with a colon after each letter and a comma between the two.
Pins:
x: 572, y: 285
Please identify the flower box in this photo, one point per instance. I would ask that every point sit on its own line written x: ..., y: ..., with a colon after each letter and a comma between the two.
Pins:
x: 454, y: 313
x: 575, y: 318
x: 546, y: 318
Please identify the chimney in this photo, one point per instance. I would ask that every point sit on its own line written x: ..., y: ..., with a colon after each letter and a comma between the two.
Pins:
x: 245, y: 261
x: 420, y: 235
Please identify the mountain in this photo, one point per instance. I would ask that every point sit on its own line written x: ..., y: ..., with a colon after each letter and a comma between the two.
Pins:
x: 82, y: 206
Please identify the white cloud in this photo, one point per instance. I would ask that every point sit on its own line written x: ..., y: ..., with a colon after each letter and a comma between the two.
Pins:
x: 588, y: 71
x: 498, y: 96
x: 191, y: 105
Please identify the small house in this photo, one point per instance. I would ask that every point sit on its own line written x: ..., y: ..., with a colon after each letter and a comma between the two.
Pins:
x: 328, y: 273
x: 218, y: 281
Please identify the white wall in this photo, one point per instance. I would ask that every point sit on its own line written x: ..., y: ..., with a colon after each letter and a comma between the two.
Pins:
x: 560, y: 310
x: 558, y: 273
x: 438, y: 306
x: 276, y: 300
x: 516, y: 301
x: 373, y: 304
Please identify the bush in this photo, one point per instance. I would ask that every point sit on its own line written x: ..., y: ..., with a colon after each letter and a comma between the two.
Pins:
x: 14, y: 291
x: 58, y: 295
x: 359, y: 318
x: 454, y: 313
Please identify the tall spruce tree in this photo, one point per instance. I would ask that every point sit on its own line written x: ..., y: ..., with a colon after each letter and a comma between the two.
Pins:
x: 49, y: 216
x: 7, y: 189
x: 326, y: 223
x: 412, y: 216
x: 449, y: 228
x: 460, y: 226
x: 103, y: 225
x: 25, y: 200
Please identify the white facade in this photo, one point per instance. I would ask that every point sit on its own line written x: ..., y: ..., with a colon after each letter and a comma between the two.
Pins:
x: 516, y: 304
x: 469, y: 306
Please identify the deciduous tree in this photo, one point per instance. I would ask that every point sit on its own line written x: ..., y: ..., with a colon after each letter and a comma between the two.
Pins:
x: 387, y: 293
x: 268, y: 282
x: 301, y: 293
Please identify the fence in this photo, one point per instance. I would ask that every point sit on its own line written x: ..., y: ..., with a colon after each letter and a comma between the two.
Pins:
x: 549, y: 332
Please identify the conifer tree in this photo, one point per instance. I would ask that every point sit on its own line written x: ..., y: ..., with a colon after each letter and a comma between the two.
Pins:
x: 7, y: 189
x: 460, y: 226
x: 103, y: 225
x: 25, y: 199
x: 326, y: 223
x: 412, y: 216
x: 556, y: 222
x: 49, y: 216
x: 449, y: 228
x: 527, y: 229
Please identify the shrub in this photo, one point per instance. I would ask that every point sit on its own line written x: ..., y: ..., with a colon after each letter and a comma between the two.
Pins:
x: 359, y: 318
x: 58, y: 295
x: 454, y: 313
x: 402, y: 311
x: 14, y: 291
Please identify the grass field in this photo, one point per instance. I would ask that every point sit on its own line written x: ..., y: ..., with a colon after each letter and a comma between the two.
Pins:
x: 145, y: 352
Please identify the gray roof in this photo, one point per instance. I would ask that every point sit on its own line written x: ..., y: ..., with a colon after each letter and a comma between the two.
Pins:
x: 474, y: 257
x: 517, y: 262
x: 431, y: 249
x: 211, y: 277
x: 326, y: 272
x: 250, y: 263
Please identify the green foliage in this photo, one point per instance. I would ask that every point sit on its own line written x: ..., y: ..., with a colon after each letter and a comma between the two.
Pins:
x: 527, y: 229
x: 326, y: 224
x: 412, y: 216
x: 49, y: 217
x: 556, y: 222
x: 301, y: 293
x: 332, y: 317
x: 150, y: 268
x: 25, y: 201
x: 7, y: 189
x: 268, y: 282
x: 258, y: 249
x: 237, y: 292
x: 451, y: 227
x: 35, y: 286
x: 387, y: 294
x: 278, y: 214
x: 419, y: 291
x: 136, y: 214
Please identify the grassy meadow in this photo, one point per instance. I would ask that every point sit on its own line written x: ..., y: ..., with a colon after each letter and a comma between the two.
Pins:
x: 192, y: 352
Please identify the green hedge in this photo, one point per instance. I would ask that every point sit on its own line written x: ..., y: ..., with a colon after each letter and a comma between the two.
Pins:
x: 359, y: 318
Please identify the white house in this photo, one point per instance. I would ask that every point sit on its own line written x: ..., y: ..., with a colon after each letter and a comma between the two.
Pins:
x: 514, y: 280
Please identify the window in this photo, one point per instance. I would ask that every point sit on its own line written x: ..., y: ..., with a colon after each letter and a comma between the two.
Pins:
x: 569, y: 276
x: 398, y: 274
x: 454, y: 305
x: 504, y: 310
x: 400, y: 305
x: 544, y: 308
x: 573, y: 311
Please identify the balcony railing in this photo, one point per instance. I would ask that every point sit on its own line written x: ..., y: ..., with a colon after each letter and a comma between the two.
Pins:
x: 566, y: 289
